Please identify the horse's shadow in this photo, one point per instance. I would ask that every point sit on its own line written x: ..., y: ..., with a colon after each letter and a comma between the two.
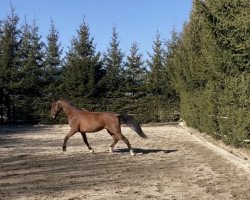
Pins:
x: 145, y: 151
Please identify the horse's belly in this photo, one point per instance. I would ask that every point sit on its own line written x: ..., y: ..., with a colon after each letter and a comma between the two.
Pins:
x: 91, y: 129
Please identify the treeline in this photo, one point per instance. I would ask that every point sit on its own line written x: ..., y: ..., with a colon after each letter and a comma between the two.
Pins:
x: 210, y: 66
x: 33, y: 73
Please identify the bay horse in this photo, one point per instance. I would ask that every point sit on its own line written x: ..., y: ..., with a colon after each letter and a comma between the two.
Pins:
x: 84, y: 121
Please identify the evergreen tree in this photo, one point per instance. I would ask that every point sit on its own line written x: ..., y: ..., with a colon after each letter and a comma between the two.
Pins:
x: 53, y: 62
x: 155, y: 63
x: 134, y: 71
x: 31, y: 67
x: 171, y: 84
x: 31, y: 71
x: 113, y: 63
x: 83, y: 69
x: 170, y: 57
x: 51, y: 74
x: 9, y: 44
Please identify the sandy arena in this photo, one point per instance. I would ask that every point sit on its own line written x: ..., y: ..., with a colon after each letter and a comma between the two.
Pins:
x: 171, y: 164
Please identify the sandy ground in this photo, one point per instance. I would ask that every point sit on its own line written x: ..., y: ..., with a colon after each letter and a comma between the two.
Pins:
x: 170, y: 164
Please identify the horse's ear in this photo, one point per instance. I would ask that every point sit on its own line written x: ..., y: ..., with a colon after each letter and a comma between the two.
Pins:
x: 57, y: 103
x: 54, y: 102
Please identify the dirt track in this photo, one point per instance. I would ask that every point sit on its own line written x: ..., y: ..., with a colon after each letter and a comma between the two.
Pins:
x: 171, y: 164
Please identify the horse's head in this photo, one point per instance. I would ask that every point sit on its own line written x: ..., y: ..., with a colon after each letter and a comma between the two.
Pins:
x: 55, y: 108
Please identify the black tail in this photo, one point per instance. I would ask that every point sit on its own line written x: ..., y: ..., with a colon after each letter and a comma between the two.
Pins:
x: 128, y: 120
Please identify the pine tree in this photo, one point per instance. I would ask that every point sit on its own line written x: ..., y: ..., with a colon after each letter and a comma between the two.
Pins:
x: 32, y: 53
x: 83, y: 69
x: 51, y: 73
x: 9, y: 44
x: 53, y: 62
x: 156, y: 68
x: 171, y: 84
x: 113, y: 64
x: 170, y: 57
x: 134, y: 71
x: 31, y: 71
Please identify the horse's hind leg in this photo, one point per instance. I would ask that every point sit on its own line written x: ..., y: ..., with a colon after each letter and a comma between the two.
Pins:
x: 71, y: 132
x: 86, y: 142
x: 125, y: 140
x: 116, y: 139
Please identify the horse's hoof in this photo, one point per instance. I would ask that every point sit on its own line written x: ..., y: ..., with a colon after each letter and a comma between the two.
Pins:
x: 64, y: 149
x: 132, y: 153
x: 111, y: 150
x: 92, y: 151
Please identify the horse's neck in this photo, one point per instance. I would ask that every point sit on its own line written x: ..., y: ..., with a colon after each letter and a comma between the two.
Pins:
x: 67, y: 108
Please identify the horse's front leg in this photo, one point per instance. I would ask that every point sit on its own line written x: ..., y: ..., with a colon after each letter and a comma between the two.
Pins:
x: 71, y: 132
x: 84, y: 137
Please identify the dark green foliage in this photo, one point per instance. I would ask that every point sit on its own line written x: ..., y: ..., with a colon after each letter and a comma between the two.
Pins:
x: 31, y: 61
x: 210, y: 68
x: 162, y: 99
x: 134, y: 73
x: 155, y: 82
x: 53, y: 61
x: 9, y: 44
x: 82, y: 71
x: 31, y: 77
x: 113, y: 65
x: 51, y: 73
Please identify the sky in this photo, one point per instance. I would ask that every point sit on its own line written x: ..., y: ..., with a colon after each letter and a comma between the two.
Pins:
x: 135, y: 20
